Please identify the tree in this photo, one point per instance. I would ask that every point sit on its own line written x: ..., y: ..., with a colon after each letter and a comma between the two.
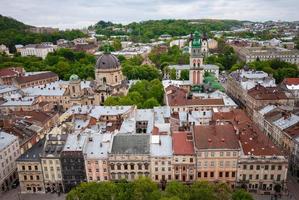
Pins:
x: 185, y: 74
x: 202, y: 190
x: 116, y: 44
x: 145, y: 189
x: 172, y: 74
x: 241, y: 195
x: 150, y: 103
x: 177, y: 190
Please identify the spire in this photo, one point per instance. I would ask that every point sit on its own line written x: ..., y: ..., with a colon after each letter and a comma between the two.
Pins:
x: 196, y: 43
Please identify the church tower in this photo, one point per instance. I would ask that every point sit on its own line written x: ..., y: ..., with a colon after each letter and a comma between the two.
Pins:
x: 196, y: 61
x: 204, y: 46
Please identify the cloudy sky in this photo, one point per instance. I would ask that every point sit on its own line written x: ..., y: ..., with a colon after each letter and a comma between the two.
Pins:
x: 81, y: 13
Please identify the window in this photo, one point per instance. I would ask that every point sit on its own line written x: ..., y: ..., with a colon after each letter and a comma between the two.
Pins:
x: 250, y: 176
x: 212, y: 154
x: 244, y: 177
x: 31, y: 177
x: 97, y: 170
x: 212, y: 163
x: 251, y: 167
x: 244, y: 166
x: 266, y: 167
x: 220, y: 174
x: 156, y: 169
x: 118, y: 167
x: 233, y: 174
x: 125, y: 166
x: 25, y: 177
x: 211, y: 174
x: 279, y: 167
x: 265, y: 177
x: 23, y: 167
x: 257, y: 167
x: 278, y: 177
x: 206, y: 164
x: 272, y: 177
x: 257, y: 177
x: 205, y: 174
x: 37, y: 177
x: 226, y: 174
x: 221, y: 154
x: 169, y: 177
x: 156, y: 177
x: 191, y: 160
x: 29, y: 168
x: 199, y: 174
x: 272, y: 167
x: 228, y: 153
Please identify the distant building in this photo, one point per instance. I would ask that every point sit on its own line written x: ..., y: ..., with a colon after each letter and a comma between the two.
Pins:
x: 35, y: 79
x: 4, y: 49
x: 7, y: 75
x: 48, y: 30
x: 250, y: 54
x: 37, y: 50
x: 291, y: 85
x: 9, y: 152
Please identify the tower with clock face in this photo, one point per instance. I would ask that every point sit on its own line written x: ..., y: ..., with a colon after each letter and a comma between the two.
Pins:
x: 196, y: 61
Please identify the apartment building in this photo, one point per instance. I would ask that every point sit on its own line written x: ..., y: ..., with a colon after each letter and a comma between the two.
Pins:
x: 161, y: 158
x: 9, y: 152
x: 129, y: 157
x: 30, y: 170
x: 51, y: 163
x: 217, y: 151
x: 183, y: 163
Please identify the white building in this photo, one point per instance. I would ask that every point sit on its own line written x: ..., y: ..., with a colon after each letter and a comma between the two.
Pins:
x: 36, y: 50
x: 4, y: 49
x: 9, y: 152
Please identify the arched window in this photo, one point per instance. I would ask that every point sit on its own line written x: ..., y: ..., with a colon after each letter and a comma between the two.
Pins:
x: 116, y: 79
x: 104, y: 80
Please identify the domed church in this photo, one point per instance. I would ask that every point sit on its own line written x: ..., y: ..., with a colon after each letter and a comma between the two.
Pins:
x: 108, y: 76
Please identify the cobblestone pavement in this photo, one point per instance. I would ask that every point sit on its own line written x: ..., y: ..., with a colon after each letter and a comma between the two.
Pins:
x: 15, y: 195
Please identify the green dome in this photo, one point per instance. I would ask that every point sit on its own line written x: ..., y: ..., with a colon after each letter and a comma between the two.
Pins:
x: 74, y: 77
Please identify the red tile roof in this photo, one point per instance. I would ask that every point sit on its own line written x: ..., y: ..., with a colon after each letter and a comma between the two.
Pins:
x: 253, y: 141
x: 8, y: 72
x: 293, y: 131
x: 291, y: 81
x: 216, y: 137
x: 181, y: 145
x: 178, y: 97
x: 36, y: 77
x: 260, y: 92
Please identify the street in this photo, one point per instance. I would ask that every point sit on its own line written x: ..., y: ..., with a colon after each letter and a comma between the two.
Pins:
x: 14, y: 195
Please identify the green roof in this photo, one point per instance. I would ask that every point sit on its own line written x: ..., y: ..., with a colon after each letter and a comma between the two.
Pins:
x: 196, y: 43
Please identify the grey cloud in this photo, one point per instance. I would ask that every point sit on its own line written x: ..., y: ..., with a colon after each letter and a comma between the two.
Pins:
x: 80, y: 13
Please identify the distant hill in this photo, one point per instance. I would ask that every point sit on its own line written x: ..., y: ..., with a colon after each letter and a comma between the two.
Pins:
x: 13, y: 32
x: 151, y: 29
x: 10, y: 23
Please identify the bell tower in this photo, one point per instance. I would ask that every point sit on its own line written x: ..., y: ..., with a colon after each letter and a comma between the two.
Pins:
x: 196, y: 60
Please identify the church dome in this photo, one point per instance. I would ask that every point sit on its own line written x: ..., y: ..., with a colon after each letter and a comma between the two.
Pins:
x: 107, y: 61
x: 74, y: 77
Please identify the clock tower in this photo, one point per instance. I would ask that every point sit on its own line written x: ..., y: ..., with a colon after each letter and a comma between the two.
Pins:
x: 196, y: 60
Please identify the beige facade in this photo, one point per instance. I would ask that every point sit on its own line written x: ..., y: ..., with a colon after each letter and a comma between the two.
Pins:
x: 161, y: 169
x: 262, y: 174
x: 52, y: 174
x: 184, y: 168
x: 9, y: 152
x: 217, y: 165
x: 128, y: 167
x: 96, y: 169
x: 31, y: 177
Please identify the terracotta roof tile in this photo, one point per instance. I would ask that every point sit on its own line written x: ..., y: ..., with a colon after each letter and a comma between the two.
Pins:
x: 291, y: 81
x: 181, y: 145
x: 260, y: 92
x: 216, y: 137
x: 36, y: 77
x: 178, y: 97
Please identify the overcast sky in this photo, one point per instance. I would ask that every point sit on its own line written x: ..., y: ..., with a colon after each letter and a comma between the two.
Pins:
x: 81, y: 13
